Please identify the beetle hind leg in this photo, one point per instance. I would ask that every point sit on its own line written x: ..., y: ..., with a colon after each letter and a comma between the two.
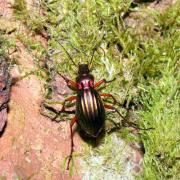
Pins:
x: 125, y: 123
x: 72, y: 142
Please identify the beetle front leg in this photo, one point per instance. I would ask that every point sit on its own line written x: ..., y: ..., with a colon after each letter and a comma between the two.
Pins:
x: 70, y: 83
x: 72, y: 142
x: 102, y: 81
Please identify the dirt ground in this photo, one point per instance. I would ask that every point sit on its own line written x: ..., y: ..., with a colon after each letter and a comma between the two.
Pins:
x: 32, y: 146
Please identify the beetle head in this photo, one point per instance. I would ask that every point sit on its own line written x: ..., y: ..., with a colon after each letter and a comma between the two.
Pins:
x: 83, y: 69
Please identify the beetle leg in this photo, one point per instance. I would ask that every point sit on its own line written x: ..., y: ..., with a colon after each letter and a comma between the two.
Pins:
x: 110, y: 95
x: 107, y: 106
x: 70, y: 83
x: 56, y: 112
x: 114, y: 100
x: 72, y: 142
x: 71, y: 98
x: 63, y: 110
x: 125, y: 123
x: 102, y: 81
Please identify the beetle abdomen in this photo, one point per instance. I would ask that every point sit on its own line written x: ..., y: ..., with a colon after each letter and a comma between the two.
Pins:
x: 90, y: 112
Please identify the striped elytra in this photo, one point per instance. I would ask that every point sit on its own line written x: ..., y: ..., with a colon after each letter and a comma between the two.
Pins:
x: 90, y: 112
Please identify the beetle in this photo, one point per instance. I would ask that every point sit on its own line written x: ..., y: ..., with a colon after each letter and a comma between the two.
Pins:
x: 90, y: 108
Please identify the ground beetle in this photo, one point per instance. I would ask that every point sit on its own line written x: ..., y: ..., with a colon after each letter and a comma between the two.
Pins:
x: 90, y: 109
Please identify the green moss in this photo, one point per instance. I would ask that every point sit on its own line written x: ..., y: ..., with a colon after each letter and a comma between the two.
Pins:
x: 7, y: 46
x: 162, y: 112
x: 30, y: 16
x: 19, y: 6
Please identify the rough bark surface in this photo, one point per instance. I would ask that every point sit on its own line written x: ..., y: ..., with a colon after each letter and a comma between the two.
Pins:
x: 4, y: 91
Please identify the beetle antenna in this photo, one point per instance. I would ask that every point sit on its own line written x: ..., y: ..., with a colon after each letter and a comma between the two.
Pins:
x: 92, y: 56
x: 73, y: 46
x: 79, y: 51
x: 68, y: 54
x: 95, y: 49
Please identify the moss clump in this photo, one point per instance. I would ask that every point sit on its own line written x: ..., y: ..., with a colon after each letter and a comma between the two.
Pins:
x: 20, y: 7
x: 30, y: 16
x: 161, y: 103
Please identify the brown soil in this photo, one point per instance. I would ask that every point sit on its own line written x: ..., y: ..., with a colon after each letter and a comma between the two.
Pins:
x: 32, y: 146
